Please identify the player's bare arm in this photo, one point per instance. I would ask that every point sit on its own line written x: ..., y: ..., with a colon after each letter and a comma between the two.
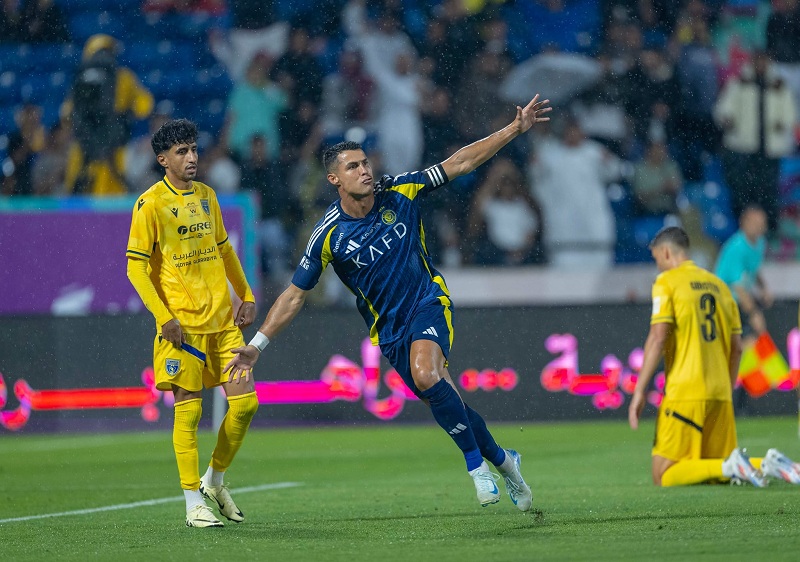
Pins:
x: 653, y: 350
x: 280, y: 315
x: 471, y: 156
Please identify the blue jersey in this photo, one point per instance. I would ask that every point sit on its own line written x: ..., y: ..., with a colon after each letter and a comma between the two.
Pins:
x: 740, y: 261
x: 382, y: 257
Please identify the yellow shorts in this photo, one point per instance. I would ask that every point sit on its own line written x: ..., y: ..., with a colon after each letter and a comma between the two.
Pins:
x: 694, y: 429
x: 198, y: 363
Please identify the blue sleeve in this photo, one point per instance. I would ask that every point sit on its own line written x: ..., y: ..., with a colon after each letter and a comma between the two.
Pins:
x: 412, y: 184
x: 316, y: 257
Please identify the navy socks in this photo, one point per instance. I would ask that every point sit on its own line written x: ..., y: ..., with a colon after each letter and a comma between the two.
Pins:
x: 449, y: 412
x: 486, y: 443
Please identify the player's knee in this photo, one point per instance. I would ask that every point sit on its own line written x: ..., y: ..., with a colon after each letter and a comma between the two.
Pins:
x: 425, y: 378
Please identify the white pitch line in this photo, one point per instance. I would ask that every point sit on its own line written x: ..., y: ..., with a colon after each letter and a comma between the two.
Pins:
x: 145, y: 503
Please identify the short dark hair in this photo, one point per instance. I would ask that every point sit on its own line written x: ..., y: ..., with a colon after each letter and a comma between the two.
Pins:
x: 174, y: 131
x: 671, y: 235
x: 332, y: 152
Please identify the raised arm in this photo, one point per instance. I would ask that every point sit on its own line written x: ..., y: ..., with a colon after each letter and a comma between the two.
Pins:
x: 473, y: 155
x: 280, y: 315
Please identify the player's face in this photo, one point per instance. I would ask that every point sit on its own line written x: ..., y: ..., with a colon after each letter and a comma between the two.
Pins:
x: 353, y: 173
x: 180, y: 161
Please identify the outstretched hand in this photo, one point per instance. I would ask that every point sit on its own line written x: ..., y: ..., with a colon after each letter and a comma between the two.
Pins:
x: 532, y: 113
x: 242, y: 363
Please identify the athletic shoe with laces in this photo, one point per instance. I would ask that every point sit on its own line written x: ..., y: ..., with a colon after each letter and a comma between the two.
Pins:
x: 738, y: 468
x: 518, y: 490
x: 223, y: 500
x: 778, y: 465
x: 201, y: 516
x: 485, y: 485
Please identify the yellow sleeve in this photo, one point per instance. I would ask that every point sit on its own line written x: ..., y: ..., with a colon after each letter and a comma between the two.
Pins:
x: 233, y: 267
x: 220, y: 234
x: 140, y: 279
x: 235, y: 273
x: 144, y: 231
x: 663, y: 308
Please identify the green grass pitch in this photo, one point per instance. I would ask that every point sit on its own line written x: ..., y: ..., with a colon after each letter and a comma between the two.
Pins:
x: 391, y: 493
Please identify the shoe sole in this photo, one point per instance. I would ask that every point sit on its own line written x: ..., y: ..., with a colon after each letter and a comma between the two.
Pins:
x: 192, y: 526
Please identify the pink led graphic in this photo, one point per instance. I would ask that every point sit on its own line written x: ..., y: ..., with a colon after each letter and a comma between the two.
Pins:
x: 340, y: 379
x: 607, y: 388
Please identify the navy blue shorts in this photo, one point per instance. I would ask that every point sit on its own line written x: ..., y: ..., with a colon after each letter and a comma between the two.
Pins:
x: 433, y: 321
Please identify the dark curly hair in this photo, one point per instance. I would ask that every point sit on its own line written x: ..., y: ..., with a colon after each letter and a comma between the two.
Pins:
x: 174, y: 131
x: 332, y: 152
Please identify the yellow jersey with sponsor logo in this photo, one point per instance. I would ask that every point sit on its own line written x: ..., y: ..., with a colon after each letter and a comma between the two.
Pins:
x: 704, y: 316
x: 181, y: 233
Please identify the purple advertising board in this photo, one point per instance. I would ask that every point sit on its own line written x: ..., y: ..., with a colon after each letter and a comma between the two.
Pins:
x: 66, y: 257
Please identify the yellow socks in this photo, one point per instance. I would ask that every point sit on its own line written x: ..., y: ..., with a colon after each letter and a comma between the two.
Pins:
x: 686, y: 473
x: 184, y: 441
x: 241, y: 410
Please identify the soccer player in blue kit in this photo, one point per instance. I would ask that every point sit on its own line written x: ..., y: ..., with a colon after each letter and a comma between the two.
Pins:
x: 374, y: 238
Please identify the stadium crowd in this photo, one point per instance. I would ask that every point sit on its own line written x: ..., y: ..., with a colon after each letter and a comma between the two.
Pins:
x: 667, y: 112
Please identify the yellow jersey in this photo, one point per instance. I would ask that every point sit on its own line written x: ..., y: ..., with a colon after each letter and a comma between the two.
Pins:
x: 704, y: 316
x: 182, y: 236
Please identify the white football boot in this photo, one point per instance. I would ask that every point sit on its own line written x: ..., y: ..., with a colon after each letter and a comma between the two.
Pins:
x: 518, y: 490
x: 223, y: 500
x: 778, y: 465
x: 200, y: 516
x: 738, y: 468
x: 485, y: 485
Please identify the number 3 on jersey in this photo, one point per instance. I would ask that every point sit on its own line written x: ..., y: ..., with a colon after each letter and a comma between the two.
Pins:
x: 708, y: 307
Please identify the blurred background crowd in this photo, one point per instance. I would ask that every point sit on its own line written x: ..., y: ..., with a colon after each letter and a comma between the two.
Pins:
x: 666, y: 112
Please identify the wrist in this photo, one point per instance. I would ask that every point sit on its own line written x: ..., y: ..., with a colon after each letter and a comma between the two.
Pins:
x: 259, y: 341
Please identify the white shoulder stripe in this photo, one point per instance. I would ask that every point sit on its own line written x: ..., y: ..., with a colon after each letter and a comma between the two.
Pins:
x: 435, y: 176
x: 319, y: 230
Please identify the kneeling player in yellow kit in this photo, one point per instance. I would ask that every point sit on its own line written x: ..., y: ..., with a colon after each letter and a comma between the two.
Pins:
x: 695, y: 325
x: 180, y: 261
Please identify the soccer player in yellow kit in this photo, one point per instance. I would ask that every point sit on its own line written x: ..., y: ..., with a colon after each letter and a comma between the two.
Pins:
x: 180, y: 261
x: 695, y: 326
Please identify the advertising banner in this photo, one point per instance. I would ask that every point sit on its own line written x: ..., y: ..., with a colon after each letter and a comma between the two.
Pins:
x: 66, y: 257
